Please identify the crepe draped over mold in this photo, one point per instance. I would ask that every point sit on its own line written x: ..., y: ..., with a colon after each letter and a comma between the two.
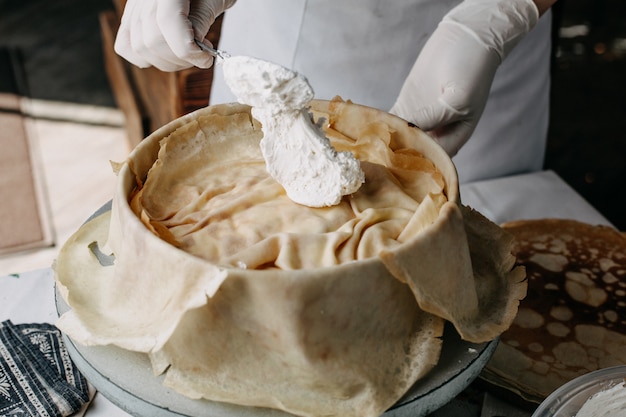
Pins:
x: 337, y: 311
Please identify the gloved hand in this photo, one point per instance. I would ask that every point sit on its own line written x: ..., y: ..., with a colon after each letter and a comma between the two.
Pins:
x: 447, y: 88
x: 161, y: 32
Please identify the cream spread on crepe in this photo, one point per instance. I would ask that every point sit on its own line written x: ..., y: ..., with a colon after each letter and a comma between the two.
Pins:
x: 607, y: 403
x: 297, y: 153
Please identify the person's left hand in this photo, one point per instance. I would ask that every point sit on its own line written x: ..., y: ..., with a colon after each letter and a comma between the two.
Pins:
x: 448, y: 86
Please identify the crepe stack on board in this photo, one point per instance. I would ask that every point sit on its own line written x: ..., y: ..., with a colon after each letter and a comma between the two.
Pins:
x: 240, y: 295
x: 573, y: 320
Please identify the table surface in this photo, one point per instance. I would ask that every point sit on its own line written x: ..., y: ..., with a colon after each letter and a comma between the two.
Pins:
x: 28, y: 297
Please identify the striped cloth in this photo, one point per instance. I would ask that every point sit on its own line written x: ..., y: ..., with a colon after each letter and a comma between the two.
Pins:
x: 37, y: 376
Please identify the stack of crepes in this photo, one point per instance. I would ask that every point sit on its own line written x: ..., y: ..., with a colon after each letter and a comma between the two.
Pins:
x: 240, y: 295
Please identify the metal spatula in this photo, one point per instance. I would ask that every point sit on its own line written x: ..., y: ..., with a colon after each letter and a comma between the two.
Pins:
x: 218, y: 53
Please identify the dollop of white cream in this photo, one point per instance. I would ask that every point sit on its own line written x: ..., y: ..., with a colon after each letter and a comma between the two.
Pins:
x: 607, y: 403
x: 297, y: 153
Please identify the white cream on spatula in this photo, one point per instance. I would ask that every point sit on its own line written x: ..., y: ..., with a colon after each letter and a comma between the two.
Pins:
x: 297, y: 153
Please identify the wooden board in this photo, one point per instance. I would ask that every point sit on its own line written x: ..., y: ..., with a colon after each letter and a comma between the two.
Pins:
x: 24, y: 217
x: 23, y: 214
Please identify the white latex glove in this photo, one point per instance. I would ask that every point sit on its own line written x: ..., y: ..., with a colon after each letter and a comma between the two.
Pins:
x: 447, y: 88
x: 161, y: 32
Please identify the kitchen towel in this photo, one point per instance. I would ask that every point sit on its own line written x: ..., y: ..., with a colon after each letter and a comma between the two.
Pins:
x: 37, y: 376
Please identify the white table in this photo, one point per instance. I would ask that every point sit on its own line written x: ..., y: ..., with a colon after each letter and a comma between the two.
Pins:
x: 29, y: 296
x: 531, y: 196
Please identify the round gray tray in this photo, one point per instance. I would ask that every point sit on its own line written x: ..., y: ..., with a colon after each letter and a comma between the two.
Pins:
x: 127, y: 380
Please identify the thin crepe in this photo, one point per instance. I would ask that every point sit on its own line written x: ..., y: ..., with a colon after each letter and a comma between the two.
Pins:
x: 219, y: 203
x: 573, y: 320
x: 338, y: 337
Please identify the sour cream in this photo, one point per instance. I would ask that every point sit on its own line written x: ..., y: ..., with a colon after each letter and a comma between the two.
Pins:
x: 607, y: 403
x: 297, y: 153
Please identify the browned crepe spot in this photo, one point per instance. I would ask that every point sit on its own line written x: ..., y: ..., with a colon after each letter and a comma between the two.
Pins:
x: 573, y: 320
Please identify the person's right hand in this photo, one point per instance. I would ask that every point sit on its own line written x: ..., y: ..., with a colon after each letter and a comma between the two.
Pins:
x: 161, y: 33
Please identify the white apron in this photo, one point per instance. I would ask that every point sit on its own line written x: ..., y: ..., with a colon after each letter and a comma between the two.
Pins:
x: 362, y: 50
